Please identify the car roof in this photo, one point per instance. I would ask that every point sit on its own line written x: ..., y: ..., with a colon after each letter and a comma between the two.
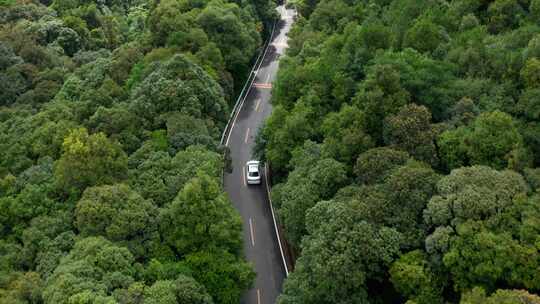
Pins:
x: 253, y: 168
x: 253, y: 162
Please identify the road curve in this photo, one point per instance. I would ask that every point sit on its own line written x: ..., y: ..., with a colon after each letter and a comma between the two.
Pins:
x: 261, y: 245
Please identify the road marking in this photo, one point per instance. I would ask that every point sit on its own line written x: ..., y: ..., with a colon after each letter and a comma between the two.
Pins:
x: 262, y: 85
x: 258, y: 105
x: 251, y: 230
x: 267, y: 78
x: 258, y: 296
x: 247, y: 93
x: 244, y: 176
x: 247, y: 136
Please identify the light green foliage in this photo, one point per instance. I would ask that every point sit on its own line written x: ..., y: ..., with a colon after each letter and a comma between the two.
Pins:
x: 182, y: 290
x: 412, y: 276
x: 22, y: 288
x: 530, y: 73
x: 89, y: 160
x: 494, y: 135
x: 283, y: 133
x: 478, y: 296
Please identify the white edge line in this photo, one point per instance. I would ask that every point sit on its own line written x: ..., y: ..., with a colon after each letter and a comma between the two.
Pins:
x: 251, y: 231
x: 249, y: 89
x: 274, y: 219
x: 258, y: 296
x: 244, y: 176
x: 247, y: 136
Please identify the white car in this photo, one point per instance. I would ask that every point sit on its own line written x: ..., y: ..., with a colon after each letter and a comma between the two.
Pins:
x: 253, y: 175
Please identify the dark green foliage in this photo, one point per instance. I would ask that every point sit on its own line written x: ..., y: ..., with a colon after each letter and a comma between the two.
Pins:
x: 201, y: 217
x: 315, y: 178
x: 178, y: 85
x: 108, y: 111
x: 358, y: 251
x: 410, y: 130
x: 407, y: 95
x: 374, y: 165
x: 119, y: 214
x: 224, y: 275
x: 94, y: 268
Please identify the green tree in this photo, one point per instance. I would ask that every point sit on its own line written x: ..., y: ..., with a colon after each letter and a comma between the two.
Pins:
x: 314, y: 178
x: 119, y: 214
x: 201, y: 217
x: 412, y: 277
x: 493, y: 136
x: 344, y: 135
x: 160, y: 177
x: 225, y: 277
x: 424, y: 36
x: 182, y: 290
x: 94, y: 268
x: 478, y: 295
x: 89, y: 160
x: 178, y: 85
x: 359, y: 252
x: 410, y: 130
x: 374, y: 165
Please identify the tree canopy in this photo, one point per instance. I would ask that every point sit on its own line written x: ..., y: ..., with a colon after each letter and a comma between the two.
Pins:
x: 430, y: 108
x: 111, y: 114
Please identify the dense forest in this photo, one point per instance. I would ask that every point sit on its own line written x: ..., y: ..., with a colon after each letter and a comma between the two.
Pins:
x: 111, y: 113
x: 405, y: 146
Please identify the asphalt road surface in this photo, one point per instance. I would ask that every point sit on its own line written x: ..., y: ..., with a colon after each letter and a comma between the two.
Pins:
x: 261, y: 246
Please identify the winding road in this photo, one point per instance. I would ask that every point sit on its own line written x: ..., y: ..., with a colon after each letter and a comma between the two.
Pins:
x: 261, y: 246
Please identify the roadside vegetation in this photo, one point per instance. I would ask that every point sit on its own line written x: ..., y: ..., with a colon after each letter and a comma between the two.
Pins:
x: 405, y: 145
x: 110, y: 170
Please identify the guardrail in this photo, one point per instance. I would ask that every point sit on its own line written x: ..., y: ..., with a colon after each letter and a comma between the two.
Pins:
x: 247, y: 86
x: 283, y: 247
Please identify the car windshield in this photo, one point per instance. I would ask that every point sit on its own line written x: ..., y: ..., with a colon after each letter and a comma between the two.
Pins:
x: 253, y: 171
